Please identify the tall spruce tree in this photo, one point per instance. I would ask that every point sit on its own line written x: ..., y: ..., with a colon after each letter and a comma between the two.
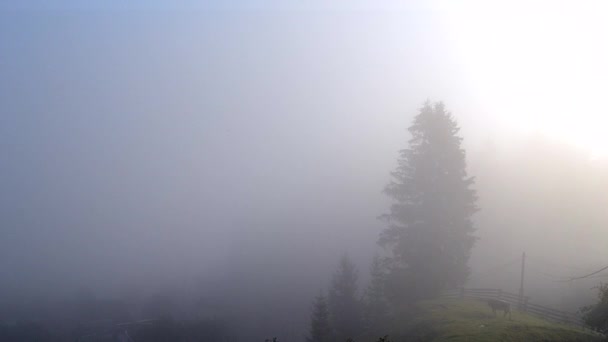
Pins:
x: 344, y: 305
x: 430, y: 231
x: 320, y: 329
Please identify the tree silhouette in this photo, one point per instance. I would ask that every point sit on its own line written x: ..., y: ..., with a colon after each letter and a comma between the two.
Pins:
x: 344, y: 305
x: 375, y: 304
x: 320, y: 330
x: 596, y: 315
x: 430, y: 231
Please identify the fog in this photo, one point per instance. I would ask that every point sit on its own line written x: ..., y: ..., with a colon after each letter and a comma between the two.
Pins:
x: 226, y: 156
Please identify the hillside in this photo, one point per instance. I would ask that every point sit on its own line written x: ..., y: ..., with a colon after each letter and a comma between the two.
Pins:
x: 472, y: 320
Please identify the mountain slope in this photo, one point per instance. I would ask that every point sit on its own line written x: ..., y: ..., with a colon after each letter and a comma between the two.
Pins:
x: 472, y: 321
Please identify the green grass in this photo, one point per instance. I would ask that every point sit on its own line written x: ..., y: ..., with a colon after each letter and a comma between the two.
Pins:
x: 472, y: 321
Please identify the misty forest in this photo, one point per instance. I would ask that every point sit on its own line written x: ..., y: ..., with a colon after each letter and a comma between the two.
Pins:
x: 287, y: 171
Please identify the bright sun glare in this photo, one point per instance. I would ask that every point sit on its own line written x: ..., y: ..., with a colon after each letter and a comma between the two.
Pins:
x: 540, y: 66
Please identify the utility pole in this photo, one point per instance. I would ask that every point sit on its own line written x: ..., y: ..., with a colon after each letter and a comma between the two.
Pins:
x: 521, y: 283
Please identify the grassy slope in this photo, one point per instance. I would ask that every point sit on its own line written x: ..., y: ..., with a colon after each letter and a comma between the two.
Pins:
x: 472, y: 320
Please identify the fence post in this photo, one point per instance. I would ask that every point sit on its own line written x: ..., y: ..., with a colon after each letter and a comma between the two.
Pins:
x: 525, y: 306
x: 500, y: 294
x: 462, y: 292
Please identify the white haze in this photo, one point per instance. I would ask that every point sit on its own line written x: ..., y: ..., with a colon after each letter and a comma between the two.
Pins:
x: 236, y: 151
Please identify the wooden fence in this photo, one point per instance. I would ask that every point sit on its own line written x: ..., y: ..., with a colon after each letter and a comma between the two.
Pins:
x: 520, y: 303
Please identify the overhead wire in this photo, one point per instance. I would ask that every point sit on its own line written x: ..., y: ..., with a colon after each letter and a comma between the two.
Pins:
x: 564, y: 278
x: 553, y: 277
x: 590, y: 274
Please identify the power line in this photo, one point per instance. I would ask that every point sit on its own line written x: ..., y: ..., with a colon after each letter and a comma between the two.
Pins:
x: 590, y: 274
x: 553, y: 264
x: 599, y: 276
x: 557, y: 278
x: 569, y: 279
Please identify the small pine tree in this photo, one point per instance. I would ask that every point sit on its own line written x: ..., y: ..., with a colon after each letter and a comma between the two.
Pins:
x: 320, y: 330
x: 344, y: 306
x: 376, y: 308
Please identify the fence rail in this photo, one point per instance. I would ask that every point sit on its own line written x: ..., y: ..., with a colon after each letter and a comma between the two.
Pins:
x: 519, y: 302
